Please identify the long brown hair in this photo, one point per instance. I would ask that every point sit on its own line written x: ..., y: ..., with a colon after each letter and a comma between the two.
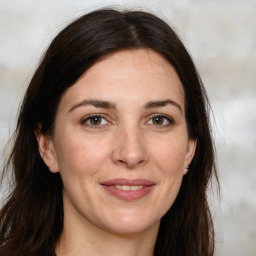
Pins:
x: 31, y: 221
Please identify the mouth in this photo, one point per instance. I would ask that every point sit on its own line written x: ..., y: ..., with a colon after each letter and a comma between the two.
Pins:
x: 128, y: 190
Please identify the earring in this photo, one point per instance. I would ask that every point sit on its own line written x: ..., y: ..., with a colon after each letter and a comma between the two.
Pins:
x: 186, y: 169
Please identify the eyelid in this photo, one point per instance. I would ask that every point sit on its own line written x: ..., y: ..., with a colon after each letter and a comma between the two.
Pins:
x: 86, y: 118
x: 167, y: 118
x: 170, y: 120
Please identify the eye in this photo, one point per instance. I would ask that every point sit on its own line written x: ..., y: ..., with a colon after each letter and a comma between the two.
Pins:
x: 161, y: 120
x: 94, y: 120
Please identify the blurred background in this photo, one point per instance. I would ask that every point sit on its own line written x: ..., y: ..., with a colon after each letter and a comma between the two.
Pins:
x: 220, y: 35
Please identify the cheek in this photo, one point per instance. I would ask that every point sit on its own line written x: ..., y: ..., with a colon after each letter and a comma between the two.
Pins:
x: 170, y: 157
x: 80, y: 156
x: 169, y: 160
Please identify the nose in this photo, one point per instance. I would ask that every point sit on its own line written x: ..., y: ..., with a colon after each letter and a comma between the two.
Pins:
x: 130, y: 149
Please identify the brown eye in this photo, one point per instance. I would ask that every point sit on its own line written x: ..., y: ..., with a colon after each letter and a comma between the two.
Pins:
x: 95, y: 120
x: 161, y: 121
x: 158, y: 120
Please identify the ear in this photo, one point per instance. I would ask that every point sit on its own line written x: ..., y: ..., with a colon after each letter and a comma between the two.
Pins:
x: 191, y: 148
x: 46, y: 149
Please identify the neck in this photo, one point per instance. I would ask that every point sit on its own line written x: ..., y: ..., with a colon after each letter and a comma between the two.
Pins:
x: 77, y: 239
x: 105, y: 243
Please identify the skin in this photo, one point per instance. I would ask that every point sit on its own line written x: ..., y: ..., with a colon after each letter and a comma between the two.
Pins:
x: 129, y: 142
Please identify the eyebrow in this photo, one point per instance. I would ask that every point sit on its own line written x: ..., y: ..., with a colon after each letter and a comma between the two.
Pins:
x: 110, y: 105
x: 95, y: 103
x: 162, y: 103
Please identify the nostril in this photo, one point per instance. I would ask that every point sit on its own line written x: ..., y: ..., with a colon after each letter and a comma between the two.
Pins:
x: 129, y: 150
x: 130, y: 163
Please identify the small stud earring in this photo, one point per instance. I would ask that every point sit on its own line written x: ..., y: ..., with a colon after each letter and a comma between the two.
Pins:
x: 186, y: 169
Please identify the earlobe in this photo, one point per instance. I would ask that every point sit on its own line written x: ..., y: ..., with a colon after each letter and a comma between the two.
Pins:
x: 191, y: 148
x: 46, y: 150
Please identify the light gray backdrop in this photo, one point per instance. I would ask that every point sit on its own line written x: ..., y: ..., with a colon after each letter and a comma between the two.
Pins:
x: 221, y: 36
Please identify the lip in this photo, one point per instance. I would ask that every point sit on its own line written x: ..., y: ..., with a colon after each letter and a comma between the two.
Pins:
x: 128, y: 195
x: 128, y: 182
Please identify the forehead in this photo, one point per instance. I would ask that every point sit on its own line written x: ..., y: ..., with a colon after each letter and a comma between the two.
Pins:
x: 127, y: 63
x: 140, y: 74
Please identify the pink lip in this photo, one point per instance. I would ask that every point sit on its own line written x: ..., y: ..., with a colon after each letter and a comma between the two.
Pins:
x: 128, y: 182
x: 128, y: 195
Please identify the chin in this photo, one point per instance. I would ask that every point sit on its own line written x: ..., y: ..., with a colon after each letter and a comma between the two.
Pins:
x: 126, y: 224
x: 131, y: 229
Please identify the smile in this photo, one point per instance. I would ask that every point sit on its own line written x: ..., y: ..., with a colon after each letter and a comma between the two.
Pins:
x: 128, y: 190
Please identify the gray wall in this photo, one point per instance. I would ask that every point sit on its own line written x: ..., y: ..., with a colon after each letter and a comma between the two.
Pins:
x: 221, y: 36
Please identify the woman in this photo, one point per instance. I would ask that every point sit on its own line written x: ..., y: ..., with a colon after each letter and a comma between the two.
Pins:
x: 113, y: 152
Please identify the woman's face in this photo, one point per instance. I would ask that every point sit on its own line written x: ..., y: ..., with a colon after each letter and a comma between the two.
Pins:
x: 120, y: 143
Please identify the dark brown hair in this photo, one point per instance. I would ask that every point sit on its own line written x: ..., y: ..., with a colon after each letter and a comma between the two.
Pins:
x: 31, y: 221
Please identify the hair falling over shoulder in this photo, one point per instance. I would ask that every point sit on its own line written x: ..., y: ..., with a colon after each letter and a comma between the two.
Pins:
x: 31, y: 220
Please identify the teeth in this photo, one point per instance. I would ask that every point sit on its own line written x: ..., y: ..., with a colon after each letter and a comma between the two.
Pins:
x: 136, y: 187
x: 125, y: 187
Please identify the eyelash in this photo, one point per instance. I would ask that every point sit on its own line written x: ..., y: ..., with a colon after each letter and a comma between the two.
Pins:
x: 87, y: 118
x: 169, y: 119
